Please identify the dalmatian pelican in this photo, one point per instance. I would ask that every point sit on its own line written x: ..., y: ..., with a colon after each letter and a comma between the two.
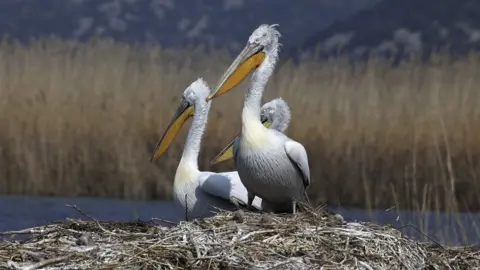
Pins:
x: 197, y: 193
x: 274, y: 114
x: 271, y: 165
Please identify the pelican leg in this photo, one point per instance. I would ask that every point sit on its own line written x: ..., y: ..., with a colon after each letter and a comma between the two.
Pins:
x: 235, y: 201
x: 251, y: 196
x: 294, y: 207
x: 186, y: 207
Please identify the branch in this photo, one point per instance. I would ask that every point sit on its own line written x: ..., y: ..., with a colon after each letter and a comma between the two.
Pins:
x: 91, y: 218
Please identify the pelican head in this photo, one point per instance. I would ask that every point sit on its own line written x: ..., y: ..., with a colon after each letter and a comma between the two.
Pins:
x: 193, y: 95
x: 261, y: 43
x: 274, y: 114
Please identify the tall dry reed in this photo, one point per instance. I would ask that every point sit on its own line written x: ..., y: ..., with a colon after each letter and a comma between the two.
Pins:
x: 82, y: 120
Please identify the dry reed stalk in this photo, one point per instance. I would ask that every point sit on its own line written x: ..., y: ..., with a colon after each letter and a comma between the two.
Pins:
x: 82, y: 120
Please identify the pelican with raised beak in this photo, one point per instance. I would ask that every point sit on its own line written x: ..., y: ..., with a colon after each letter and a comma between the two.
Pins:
x: 271, y: 165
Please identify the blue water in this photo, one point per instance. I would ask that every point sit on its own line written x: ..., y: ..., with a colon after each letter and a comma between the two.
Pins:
x: 21, y: 212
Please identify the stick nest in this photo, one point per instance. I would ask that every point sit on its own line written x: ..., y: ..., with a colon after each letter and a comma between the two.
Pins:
x: 241, y: 240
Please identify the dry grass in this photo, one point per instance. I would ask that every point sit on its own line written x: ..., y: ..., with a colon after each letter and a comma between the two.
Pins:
x: 82, y: 120
x: 314, y: 239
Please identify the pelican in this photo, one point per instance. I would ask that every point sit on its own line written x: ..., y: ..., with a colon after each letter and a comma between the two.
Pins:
x: 274, y: 114
x: 196, y: 193
x: 271, y: 165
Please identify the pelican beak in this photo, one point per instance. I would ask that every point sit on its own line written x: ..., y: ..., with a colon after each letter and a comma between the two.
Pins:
x: 265, y: 121
x: 227, y: 152
x: 184, y: 112
x: 250, y: 58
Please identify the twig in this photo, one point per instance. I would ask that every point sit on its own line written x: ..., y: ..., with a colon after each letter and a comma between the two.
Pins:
x: 164, y: 220
x: 90, y: 217
x: 279, y: 264
x: 32, y: 254
x: 194, y: 244
x: 47, y: 262
x: 365, y: 265
x: 422, y: 233
x: 34, y: 230
x: 388, y: 209
x: 255, y: 233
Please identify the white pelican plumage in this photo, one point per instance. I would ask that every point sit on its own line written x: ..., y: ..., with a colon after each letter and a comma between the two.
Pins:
x: 196, y: 193
x: 274, y: 114
x: 271, y: 165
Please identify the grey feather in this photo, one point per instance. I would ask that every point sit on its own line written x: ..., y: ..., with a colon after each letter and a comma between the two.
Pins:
x: 297, y: 153
x: 270, y: 174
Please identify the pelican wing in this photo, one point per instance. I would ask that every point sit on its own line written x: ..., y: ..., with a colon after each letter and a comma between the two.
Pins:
x: 227, y: 186
x: 297, y: 153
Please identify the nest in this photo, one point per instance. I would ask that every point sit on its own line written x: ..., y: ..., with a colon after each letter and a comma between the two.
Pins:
x: 313, y: 239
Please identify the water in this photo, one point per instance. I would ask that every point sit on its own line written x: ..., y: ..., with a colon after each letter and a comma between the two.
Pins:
x: 21, y: 212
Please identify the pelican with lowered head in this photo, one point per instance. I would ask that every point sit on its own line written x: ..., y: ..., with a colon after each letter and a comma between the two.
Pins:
x: 271, y: 165
x: 274, y: 114
x: 197, y: 193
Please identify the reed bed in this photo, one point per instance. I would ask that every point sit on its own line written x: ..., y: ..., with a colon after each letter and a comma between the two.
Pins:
x: 314, y: 239
x: 82, y: 120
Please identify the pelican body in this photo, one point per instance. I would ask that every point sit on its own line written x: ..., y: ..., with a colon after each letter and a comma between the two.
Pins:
x: 196, y: 194
x: 270, y: 165
x: 274, y: 114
